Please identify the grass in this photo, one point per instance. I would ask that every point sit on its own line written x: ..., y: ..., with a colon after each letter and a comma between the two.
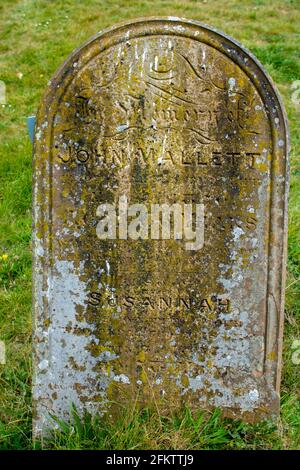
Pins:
x: 146, y: 429
x: 36, y: 36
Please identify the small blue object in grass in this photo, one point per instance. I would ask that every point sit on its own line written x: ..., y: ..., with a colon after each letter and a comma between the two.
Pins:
x: 31, y: 125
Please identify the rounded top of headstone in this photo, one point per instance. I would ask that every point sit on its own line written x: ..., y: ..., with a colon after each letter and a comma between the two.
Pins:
x: 189, y: 29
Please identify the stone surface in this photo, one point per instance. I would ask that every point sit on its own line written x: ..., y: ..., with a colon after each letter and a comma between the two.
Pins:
x: 161, y: 111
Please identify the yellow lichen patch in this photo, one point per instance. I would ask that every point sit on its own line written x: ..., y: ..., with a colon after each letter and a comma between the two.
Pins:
x: 272, y: 356
x: 185, y: 381
x: 144, y: 377
x: 141, y: 356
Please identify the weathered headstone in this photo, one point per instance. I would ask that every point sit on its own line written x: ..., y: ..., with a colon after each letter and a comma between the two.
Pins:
x: 153, y: 112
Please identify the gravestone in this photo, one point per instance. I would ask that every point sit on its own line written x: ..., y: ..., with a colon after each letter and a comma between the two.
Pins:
x: 169, y: 115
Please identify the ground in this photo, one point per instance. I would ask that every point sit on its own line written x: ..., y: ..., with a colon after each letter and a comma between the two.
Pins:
x: 36, y: 37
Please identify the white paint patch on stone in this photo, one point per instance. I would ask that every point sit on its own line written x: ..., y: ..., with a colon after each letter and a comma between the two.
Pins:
x: 43, y: 364
x: 122, y: 378
x: 231, y: 83
x: 64, y: 358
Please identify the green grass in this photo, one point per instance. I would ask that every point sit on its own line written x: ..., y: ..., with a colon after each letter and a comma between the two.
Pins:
x: 146, y: 429
x: 35, y: 38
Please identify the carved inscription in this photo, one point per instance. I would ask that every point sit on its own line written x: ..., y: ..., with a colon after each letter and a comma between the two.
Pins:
x: 161, y: 113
